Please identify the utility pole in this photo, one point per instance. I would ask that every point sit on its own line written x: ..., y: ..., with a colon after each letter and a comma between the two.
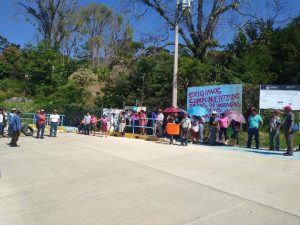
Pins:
x: 175, y: 70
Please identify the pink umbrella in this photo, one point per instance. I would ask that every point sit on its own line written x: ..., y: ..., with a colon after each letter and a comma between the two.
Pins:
x: 172, y: 110
x: 234, y: 115
x: 175, y: 110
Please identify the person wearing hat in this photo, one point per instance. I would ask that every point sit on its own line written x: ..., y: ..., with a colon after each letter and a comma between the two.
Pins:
x: 16, y: 129
x: 213, y: 123
x: 288, y: 124
x: 9, y: 120
x: 41, y: 124
x: 255, y: 122
x: 54, y: 121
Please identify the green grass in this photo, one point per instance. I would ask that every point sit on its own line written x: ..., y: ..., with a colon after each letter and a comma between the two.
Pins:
x: 264, y: 140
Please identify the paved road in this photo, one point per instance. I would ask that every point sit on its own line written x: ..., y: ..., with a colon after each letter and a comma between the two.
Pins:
x: 79, y: 180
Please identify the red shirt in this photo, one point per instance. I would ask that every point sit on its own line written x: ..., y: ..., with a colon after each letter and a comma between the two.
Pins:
x: 42, y: 119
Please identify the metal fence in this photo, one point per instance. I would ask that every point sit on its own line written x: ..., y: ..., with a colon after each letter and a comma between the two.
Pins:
x: 29, y: 118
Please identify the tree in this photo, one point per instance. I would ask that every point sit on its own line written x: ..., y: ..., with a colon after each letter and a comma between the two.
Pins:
x: 10, y: 63
x: 83, y: 77
x: 45, y: 69
x: 3, y: 43
x: 49, y: 17
x: 199, y: 25
x: 285, y: 52
x: 93, y: 21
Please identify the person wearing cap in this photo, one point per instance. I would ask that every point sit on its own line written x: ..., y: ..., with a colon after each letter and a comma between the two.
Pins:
x: 54, y: 121
x: 255, y: 122
x: 16, y: 129
x: 41, y: 124
x: 288, y: 124
x: 274, y: 132
x: 159, y: 123
x: 9, y: 120
x: 185, y: 126
x: 213, y: 123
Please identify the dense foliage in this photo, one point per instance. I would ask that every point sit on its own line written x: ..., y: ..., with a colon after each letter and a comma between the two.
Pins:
x: 109, y: 68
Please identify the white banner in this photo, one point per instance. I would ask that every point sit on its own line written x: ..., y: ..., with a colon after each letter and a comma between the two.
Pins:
x: 279, y: 96
x: 216, y: 98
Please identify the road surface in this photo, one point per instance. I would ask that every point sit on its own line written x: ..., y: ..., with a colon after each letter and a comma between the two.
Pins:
x: 79, y: 180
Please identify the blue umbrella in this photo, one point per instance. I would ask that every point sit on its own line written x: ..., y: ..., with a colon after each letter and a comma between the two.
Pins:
x: 198, y: 111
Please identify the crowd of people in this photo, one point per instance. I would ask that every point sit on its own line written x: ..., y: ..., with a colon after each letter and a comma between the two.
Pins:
x: 12, y: 121
x: 191, y: 128
x: 185, y: 128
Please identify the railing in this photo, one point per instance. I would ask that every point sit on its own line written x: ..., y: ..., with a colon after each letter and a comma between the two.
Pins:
x: 132, y: 124
x: 30, y: 118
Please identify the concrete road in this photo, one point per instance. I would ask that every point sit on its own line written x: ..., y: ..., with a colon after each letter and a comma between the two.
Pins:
x: 74, y: 179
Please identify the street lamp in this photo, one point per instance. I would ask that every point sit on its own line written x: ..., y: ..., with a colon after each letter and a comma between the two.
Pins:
x: 181, y: 5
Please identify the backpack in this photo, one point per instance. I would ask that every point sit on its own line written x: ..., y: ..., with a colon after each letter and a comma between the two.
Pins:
x: 295, y: 128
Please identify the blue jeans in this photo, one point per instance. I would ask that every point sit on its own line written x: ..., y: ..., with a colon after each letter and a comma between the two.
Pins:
x: 201, y: 130
x: 1, y: 128
x: 213, y: 135
x: 274, y: 135
x: 184, y: 136
x: 251, y: 132
x: 41, y: 130
x: 53, y: 129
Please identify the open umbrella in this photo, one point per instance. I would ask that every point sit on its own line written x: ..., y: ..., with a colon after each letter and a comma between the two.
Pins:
x: 172, y: 110
x: 234, y: 115
x: 198, y: 111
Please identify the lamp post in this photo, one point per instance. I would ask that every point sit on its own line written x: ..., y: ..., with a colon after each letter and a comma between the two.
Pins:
x: 185, y: 5
x: 175, y: 69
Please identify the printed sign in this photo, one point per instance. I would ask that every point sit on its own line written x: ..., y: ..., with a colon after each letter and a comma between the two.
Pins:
x: 216, y: 98
x: 278, y: 96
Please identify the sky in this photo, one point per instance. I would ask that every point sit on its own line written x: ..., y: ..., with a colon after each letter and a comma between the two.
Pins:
x: 18, y: 31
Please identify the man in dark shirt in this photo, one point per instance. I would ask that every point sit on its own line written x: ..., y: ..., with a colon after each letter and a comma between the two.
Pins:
x: 16, y: 129
x: 287, y: 129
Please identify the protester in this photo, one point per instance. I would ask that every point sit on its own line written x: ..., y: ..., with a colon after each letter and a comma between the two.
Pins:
x: 255, y: 122
x: 213, y: 124
x: 36, y: 119
x: 134, y: 119
x: 223, y: 124
x: 94, y: 124
x: 104, y: 124
x: 2, y: 122
x: 274, y: 131
x: 87, y: 123
x: 159, y: 123
x: 9, y: 120
x: 185, y: 126
x: 114, y: 121
x: 142, y: 121
x: 195, y: 134
x: 54, y: 121
x: 41, y: 124
x: 236, y: 126
x: 171, y: 120
x: 288, y: 124
x: 16, y: 129
x: 122, y: 124
x: 201, y: 128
